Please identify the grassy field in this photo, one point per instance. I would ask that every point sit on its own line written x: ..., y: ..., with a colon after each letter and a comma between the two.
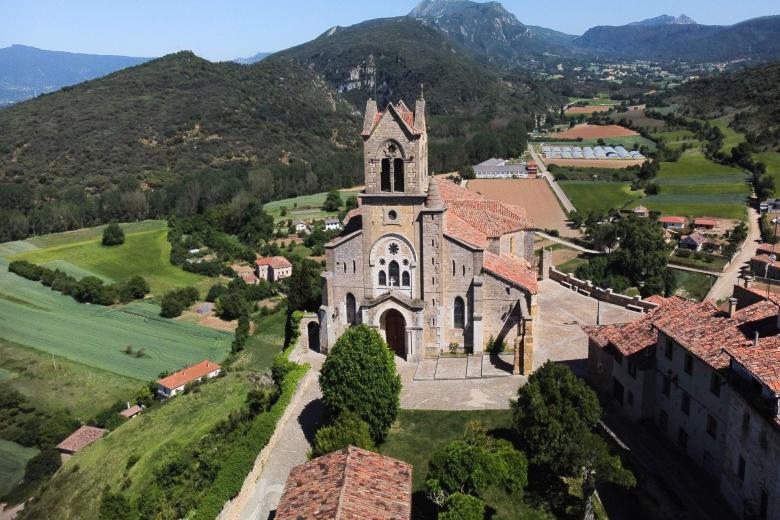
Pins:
x: 73, y: 492
x: 639, y: 119
x: 145, y: 252
x: 772, y: 161
x: 692, y: 285
x: 305, y: 207
x: 13, y: 459
x: 731, y: 138
x: 695, y: 186
x: 54, y: 382
x: 598, y: 196
x: 37, y: 317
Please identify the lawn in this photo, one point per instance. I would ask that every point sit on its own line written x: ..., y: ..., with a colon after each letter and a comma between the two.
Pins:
x: 772, y: 162
x: 54, y: 382
x: 145, y: 253
x: 692, y: 285
x: 598, y: 196
x: 695, y: 186
x: 13, y: 459
x: 96, y: 336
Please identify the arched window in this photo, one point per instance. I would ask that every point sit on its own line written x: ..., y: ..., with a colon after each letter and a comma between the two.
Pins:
x: 398, y: 175
x: 385, y: 177
x: 459, y: 313
x: 405, y: 282
x: 382, y: 278
x: 393, y: 271
x: 351, y: 306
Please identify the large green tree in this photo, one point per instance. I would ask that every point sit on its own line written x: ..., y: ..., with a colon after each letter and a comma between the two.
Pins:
x: 359, y: 375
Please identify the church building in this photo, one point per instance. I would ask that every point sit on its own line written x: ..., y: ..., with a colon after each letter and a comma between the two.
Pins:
x: 436, y: 268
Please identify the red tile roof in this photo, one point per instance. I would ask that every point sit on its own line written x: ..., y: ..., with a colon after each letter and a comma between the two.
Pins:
x: 351, y: 483
x: 276, y: 262
x: 756, y: 312
x: 133, y: 410
x: 705, y: 221
x: 350, y: 215
x: 761, y: 360
x: 656, y: 298
x: 768, y: 249
x: 672, y: 220
x: 189, y: 374
x: 512, y: 268
x: 81, y: 438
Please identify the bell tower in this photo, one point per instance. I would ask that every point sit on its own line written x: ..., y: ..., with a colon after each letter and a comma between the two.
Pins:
x: 395, y: 149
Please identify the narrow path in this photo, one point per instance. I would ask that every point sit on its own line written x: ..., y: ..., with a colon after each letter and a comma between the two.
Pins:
x: 564, y: 200
x: 724, y: 285
x: 566, y: 243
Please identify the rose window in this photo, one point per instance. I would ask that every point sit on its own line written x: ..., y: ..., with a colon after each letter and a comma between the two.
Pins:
x: 393, y: 248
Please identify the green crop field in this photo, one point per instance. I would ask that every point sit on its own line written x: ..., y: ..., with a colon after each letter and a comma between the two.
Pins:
x: 305, y: 207
x: 598, y: 196
x: 13, y: 459
x: 772, y: 162
x: 93, y: 335
x: 145, y: 252
x: 55, y: 382
x: 695, y: 186
x: 731, y: 138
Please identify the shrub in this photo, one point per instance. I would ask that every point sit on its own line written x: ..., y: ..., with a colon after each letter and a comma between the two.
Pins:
x: 359, y: 375
x: 113, y: 235
x: 241, y: 335
x: 43, y: 464
x: 215, y: 292
x: 174, y: 302
x: 115, y: 506
x: 459, y: 506
x: 347, y: 430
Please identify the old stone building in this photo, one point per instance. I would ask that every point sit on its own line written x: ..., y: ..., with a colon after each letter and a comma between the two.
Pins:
x: 434, y: 266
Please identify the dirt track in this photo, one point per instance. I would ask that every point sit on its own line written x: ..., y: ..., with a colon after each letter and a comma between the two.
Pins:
x: 534, y: 195
x: 587, y: 131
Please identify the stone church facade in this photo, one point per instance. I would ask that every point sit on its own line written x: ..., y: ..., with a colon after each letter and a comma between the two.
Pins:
x: 433, y: 266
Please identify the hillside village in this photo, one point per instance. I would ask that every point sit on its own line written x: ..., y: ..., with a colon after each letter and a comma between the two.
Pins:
x: 341, y: 281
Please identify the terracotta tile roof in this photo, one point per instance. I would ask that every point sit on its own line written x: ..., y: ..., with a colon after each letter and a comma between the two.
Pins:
x: 490, y: 217
x: 402, y: 110
x: 761, y: 360
x: 764, y: 258
x: 704, y: 332
x: 512, y: 268
x: 276, y: 262
x: 767, y: 249
x: 756, y: 312
x: 133, y: 410
x: 249, y: 278
x: 672, y: 220
x: 456, y: 227
x: 350, y: 215
x: 705, y: 221
x: 351, y: 483
x: 656, y: 298
x: 186, y: 375
x: 601, y: 334
x: 82, y: 437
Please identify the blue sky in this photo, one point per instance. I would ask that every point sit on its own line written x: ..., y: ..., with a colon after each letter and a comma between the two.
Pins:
x: 220, y: 30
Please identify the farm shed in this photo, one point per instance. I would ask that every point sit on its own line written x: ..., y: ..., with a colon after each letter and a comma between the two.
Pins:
x: 80, y: 439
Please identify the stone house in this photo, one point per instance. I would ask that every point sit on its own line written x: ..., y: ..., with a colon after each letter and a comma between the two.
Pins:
x: 428, y: 263
x: 301, y: 227
x: 273, y: 268
x: 332, y: 224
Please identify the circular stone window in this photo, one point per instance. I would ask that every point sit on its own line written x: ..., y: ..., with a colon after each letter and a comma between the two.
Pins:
x: 392, y: 215
x: 393, y: 249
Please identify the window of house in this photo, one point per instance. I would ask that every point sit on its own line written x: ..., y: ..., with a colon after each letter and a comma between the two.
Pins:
x: 685, y: 404
x: 405, y: 281
x: 382, y: 278
x: 741, y: 468
x: 682, y: 438
x: 508, y: 290
x: 715, y: 383
x: 351, y: 308
x: 688, y: 364
x: 459, y: 313
x: 667, y: 386
x: 632, y: 368
x: 712, y: 426
x: 663, y: 420
x: 669, y: 349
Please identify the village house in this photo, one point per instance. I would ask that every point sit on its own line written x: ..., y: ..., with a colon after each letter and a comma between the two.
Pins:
x: 770, y: 206
x: 346, y: 484
x: 641, y: 211
x: 432, y: 265
x: 705, y: 223
x: 80, y: 439
x: 175, y: 383
x: 131, y: 411
x: 709, y: 380
x: 671, y: 222
x: 301, y: 227
x: 694, y: 241
x: 332, y: 224
x: 246, y: 273
x: 763, y: 266
x: 273, y: 268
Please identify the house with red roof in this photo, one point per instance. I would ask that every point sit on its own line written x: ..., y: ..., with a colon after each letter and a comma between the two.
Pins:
x: 429, y: 263
x: 709, y: 379
x: 672, y: 222
x: 695, y: 241
x: 273, y: 268
x: 174, y: 384
x: 351, y: 483
x: 705, y: 223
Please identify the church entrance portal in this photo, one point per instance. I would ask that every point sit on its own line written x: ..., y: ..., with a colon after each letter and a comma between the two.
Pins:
x: 394, y: 326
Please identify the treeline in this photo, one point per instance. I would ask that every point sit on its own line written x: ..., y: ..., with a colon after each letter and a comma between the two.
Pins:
x: 89, y: 289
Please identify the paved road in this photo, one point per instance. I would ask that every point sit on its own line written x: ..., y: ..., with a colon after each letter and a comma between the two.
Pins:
x: 567, y: 243
x: 565, y: 202
x: 724, y: 286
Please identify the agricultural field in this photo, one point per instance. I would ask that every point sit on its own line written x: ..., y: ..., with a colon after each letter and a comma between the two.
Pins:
x: 674, y: 139
x: 731, y: 137
x: 772, y: 162
x: 588, y: 131
x: 54, y: 382
x: 13, y: 459
x: 35, y: 316
x: 599, y: 196
x: 695, y: 186
x: 305, y: 207
x: 146, y: 252
x: 639, y: 119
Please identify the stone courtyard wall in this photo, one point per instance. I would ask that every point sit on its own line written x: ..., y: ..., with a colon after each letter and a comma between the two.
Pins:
x: 586, y: 287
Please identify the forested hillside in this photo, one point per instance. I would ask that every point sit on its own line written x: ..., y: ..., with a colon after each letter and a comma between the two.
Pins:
x: 751, y: 95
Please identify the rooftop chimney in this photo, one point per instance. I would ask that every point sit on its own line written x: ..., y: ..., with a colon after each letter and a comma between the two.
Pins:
x: 755, y: 339
x: 732, y: 306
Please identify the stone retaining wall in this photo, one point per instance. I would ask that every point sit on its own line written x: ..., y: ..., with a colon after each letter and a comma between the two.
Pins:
x: 586, y: 287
